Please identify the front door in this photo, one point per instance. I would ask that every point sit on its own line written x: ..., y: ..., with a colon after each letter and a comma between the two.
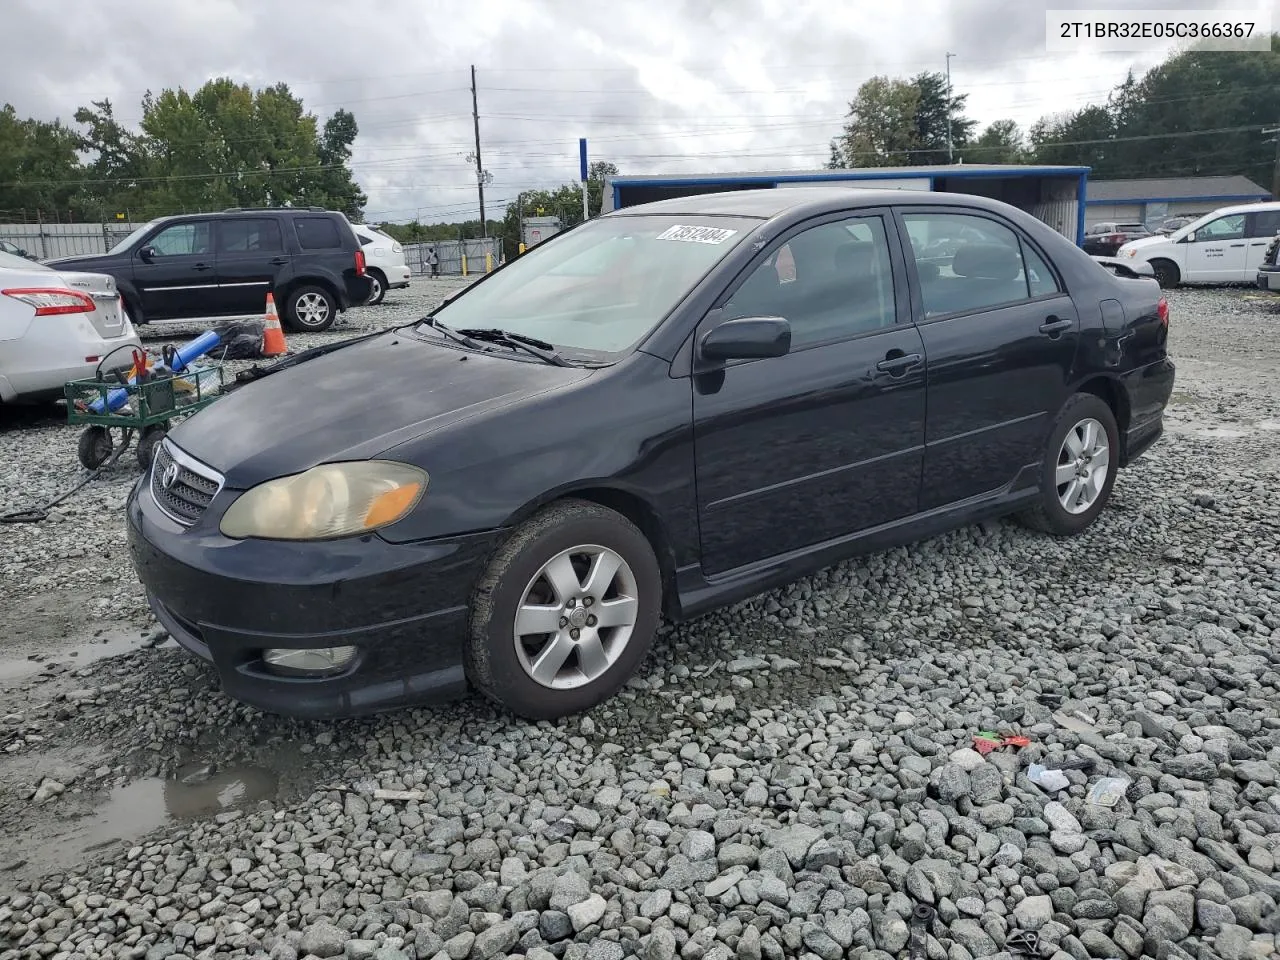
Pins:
x: 250, y: 255
x: 1262, y: 229
x: 1000, y: 336
x: 1217, y: 254
x: 827, y: 440
x: 177, y: 278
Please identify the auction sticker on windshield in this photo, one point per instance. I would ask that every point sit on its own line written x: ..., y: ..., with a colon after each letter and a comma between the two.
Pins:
x: 696, y: 234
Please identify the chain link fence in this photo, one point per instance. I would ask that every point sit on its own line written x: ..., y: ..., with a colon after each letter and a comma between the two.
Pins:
x: 449, y: 254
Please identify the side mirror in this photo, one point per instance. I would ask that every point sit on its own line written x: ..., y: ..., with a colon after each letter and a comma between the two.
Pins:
x: 747, y: 338
x: 147, y: 254
x: 1190, y: 237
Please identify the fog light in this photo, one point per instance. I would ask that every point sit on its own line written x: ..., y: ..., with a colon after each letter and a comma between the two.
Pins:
x: 315, y: 662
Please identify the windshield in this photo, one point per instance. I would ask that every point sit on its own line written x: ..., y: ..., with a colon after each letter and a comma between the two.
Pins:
x: 1197, y: 223
x: 603, y: 286
x: 132, y: 238
x: 19, y: 263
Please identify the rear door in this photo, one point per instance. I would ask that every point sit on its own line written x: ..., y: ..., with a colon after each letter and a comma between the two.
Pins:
x: 250, y: 255
x: 1217, y: 254
x: 174, y: 272
x: 1000, y: 337
x: 1262, y: 228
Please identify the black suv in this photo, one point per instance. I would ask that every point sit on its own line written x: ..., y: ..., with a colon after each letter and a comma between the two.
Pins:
x: 223, y: 264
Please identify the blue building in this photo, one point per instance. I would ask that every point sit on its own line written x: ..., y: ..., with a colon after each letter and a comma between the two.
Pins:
x: 1055, y: 195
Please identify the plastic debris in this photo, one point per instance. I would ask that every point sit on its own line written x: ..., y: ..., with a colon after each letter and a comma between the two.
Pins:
x: 1108, y: 791
x: 984, y: 741
x: 1049, y: 780
x: 399, y: 795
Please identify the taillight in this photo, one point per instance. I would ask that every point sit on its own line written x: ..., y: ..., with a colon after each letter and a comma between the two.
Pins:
x: 51, y: 302
x: 359, y: 263
x: 1117, y: 238
x: 1162, y: 310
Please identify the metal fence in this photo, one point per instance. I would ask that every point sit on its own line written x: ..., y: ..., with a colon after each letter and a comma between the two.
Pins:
x: 47, y: 240
x: 449, y: 254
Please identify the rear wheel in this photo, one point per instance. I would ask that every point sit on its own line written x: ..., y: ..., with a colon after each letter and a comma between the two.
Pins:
x: 378, y: 288
x: 311, y: 309
x: 1079, y: 468
x: 565, y: 613
x: 1167, y: 273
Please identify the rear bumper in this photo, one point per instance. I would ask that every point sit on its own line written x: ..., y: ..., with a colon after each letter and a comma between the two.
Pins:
x: 1269, y: 279
x: 38, y: 366
x: 398, y: 277
x: 403, y: 606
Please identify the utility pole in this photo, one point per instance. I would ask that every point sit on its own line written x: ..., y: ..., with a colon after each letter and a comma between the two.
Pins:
x: 520, y: 221
x: 475, y: 116
x: 949, y: 146
x: 1275, y: 173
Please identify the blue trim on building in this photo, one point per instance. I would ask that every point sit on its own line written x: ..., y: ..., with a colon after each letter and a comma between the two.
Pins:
x: 1082, y: 198
x: 1250, y: 198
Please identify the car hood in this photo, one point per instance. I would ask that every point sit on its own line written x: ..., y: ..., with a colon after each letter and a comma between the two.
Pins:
x: 1144, y: 242
x: 355, y: 403
x: 90, y: 262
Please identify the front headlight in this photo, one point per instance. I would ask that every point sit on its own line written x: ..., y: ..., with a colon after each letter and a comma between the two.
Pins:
x: 1130, y: 253
x: 331, y: 500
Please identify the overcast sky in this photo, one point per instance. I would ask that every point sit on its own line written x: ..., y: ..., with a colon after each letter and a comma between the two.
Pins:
x: 657, y: 86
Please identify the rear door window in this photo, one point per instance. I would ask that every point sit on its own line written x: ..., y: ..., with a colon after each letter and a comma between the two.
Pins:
x: 1265, y: 224
x: 317, y: 233
x: 258, y: 235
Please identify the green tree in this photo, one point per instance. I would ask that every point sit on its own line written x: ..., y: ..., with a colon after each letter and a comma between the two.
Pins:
x: 337, y: 185
x: 1000, y: 142
x: 880, y: 130
x: 1084, y: 137
x: 933, y: 106
x: 39, y: 166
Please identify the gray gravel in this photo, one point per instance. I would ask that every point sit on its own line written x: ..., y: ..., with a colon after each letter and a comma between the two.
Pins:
x: 787, y: 778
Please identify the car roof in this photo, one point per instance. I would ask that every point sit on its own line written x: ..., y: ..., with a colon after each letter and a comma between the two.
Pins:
x: 1264, y: 206
x: 767, y: 203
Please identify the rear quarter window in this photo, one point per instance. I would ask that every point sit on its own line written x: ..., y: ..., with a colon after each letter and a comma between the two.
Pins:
x: 317, y: 233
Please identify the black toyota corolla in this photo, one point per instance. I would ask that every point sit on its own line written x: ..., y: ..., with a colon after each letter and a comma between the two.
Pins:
x: 664, y: 410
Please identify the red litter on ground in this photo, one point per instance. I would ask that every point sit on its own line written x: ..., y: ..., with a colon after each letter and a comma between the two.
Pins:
x: 984, y: 741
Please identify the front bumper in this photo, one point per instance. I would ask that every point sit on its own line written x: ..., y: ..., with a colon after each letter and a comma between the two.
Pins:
x: 404, y: 606
x: 1269, y: 279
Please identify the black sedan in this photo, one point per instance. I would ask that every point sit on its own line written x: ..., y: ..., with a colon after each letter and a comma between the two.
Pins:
x: 662, y: 411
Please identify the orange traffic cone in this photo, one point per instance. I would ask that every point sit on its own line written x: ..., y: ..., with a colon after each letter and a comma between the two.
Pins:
x: 273, y: 344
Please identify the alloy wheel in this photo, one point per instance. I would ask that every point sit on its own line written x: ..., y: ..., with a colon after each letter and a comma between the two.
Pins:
x: 1083, y: 460
x: 576, y: 617
x: 312, y: 310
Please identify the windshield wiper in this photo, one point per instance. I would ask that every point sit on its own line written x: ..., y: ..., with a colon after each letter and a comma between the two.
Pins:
x: 455, y: 335
x: 539, y: 348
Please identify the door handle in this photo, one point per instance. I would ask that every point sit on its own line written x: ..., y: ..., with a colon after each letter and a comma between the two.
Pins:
x: 277, y: 261
x: 202, y: 266
x: 1260, y: 243
x: 896, y: 363
x: 1237, y: 244
x: 1053, y: 326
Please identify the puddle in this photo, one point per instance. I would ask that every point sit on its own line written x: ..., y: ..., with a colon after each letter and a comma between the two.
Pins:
x: 21, y: 664
x: 132, y: 811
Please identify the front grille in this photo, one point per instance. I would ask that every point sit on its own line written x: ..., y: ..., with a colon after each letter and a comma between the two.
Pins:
x: 182, y: 487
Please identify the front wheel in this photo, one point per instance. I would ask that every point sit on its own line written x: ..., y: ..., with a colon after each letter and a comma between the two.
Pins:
x: 1167, y: 274
x: 311, y: 309
x: 565, y: 613
x: 95, y: 447
x: 1079, y: 468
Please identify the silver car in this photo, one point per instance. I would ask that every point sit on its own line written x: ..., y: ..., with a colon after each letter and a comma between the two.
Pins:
x: 57, y: 326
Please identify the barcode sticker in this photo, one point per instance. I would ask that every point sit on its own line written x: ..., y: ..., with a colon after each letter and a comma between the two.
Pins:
x: 696, y: 234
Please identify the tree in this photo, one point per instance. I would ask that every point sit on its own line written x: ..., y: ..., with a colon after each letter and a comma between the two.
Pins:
x: 339, y: 188
x: 1000, y: 142
x: 596, y: 173
x: 933, y: 107
x: 39, y: 168
x: 1082, y: 137
x: 881, y: 127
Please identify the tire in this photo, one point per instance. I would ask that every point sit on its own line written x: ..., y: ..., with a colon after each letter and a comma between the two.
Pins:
x: 1050, y: 514
x: 95, y: 447
x: 310, y: 309
x: 502, y: 668
x: 379, y: 288
x: 1167, y: 273
x: 147, y: 443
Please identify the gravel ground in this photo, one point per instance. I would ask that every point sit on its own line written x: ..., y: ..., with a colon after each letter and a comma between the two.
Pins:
x: 787, y: 778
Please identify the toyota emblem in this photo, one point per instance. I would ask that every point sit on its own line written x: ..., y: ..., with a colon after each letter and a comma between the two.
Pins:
x: 170, y: 476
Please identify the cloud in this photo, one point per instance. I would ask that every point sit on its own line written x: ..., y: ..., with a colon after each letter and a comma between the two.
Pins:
x: 675, y: 86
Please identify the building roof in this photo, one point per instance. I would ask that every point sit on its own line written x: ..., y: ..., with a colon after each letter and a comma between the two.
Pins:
x: 850, y: 173
x: 1175, y: 188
